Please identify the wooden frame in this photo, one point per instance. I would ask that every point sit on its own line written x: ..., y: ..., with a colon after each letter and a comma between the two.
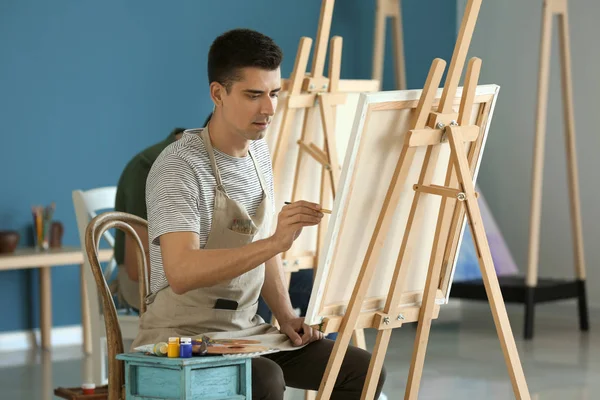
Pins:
x: 391, y: 9
x: 429, y: 131
x: 114, y: 339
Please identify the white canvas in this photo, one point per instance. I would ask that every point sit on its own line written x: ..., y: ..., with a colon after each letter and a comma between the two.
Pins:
x: 370, y: 160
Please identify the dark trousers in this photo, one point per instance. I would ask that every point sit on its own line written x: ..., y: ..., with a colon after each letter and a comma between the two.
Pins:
x: 304, y: 369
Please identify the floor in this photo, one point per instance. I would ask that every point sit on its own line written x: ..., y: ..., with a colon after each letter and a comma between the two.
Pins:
x: 464, y: 359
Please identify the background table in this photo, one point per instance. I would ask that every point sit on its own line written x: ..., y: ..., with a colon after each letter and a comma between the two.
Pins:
x: 27, y: 258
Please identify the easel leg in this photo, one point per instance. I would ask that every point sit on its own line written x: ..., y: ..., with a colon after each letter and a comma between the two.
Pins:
x: 427, y: 308
x: 577, y: 230
x: 584, y: 323
x: 379, y: 39
x: 492, y: 287
x: 529, y: 312
x: 538, y: 158
x: 376, y: 365
x: 358, y: 339
x: 398, y: 47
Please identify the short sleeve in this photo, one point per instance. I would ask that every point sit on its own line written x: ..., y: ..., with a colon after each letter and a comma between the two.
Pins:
x: 172, y: 193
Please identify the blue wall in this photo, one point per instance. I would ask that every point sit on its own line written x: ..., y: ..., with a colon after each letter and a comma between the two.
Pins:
x: 84, y: 85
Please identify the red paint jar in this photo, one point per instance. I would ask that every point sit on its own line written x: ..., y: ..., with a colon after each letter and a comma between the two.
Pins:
x: 88, y: 388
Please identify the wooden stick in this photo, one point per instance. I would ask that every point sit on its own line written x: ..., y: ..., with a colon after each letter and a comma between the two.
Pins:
x: 379, y: 41
x: 325, y: 18
x: 317, y: 154
x: 376, y: 364
x: 45, y: 308
x: 490, y: 280
x: 86, y: 321
x: 330, y: 142
x: 569, y: 115
x: 335, y: 63
x: 460, y: 54
x: 428, y: 136
x: 289, y: 113
x: 468, y: 97
x: 400, y: 68
x: 538, y: 150
x: 358, y: 339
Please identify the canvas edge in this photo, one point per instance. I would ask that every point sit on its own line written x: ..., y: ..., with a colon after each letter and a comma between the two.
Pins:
x: 312, y: 313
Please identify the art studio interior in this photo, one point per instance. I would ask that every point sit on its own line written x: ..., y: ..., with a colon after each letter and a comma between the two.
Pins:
x: 351, y: 199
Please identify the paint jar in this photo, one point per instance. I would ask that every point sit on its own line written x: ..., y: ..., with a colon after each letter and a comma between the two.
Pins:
x: 185, y: 347
x: 173, y: 347
x: 88, y: 388
x: 160, y: 349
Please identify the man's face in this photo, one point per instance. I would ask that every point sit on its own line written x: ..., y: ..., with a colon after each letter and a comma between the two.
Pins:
x: 249, y: 106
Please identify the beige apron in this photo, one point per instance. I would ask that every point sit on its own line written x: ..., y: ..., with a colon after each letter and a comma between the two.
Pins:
x: 192, y: 314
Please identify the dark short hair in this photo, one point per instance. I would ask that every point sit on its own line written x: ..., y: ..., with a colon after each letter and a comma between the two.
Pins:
x: 241, y: 48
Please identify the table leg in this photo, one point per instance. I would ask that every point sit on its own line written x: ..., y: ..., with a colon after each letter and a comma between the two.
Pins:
x: 86, y: 322
x: 45, y: 308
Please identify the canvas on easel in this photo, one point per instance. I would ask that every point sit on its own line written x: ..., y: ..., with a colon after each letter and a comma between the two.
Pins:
x: 378, y: 144
x: 406, y: 190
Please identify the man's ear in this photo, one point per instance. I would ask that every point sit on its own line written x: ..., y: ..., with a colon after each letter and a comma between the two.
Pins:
x: 217, y: 91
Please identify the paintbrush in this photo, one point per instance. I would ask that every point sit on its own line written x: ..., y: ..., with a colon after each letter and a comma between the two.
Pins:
x: 323, y: 210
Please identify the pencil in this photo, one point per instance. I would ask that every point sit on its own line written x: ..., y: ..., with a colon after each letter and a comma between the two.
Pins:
x: 323, y: 210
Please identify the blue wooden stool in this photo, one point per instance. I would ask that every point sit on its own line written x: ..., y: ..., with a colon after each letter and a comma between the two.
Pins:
x: 207, y: 377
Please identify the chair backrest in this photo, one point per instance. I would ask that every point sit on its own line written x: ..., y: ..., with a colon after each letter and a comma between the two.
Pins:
x: 87, y: 204
x: 114, y: 339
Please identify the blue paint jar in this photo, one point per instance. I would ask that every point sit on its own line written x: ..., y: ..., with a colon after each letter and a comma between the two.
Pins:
x: 185, y: 348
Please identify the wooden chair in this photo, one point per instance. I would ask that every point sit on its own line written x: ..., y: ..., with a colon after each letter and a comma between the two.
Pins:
x: 114, y: 339
x: 87, y: 204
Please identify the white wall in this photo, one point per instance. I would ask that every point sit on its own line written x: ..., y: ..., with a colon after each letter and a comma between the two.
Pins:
x: 507, y: 39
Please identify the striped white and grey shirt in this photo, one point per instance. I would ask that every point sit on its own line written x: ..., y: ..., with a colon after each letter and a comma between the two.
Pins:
x: 180, y: 191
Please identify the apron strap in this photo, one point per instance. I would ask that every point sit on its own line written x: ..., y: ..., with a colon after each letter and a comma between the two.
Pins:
x: 261, y: 178
x: 211, y: 155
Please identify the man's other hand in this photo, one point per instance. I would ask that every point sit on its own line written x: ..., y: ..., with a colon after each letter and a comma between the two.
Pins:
x: 298, y: 332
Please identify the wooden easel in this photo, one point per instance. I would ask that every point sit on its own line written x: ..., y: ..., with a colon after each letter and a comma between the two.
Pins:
x: 305, y: 91
x: 389, y: 9
x: 550, y: 9
x: 429, y: 129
